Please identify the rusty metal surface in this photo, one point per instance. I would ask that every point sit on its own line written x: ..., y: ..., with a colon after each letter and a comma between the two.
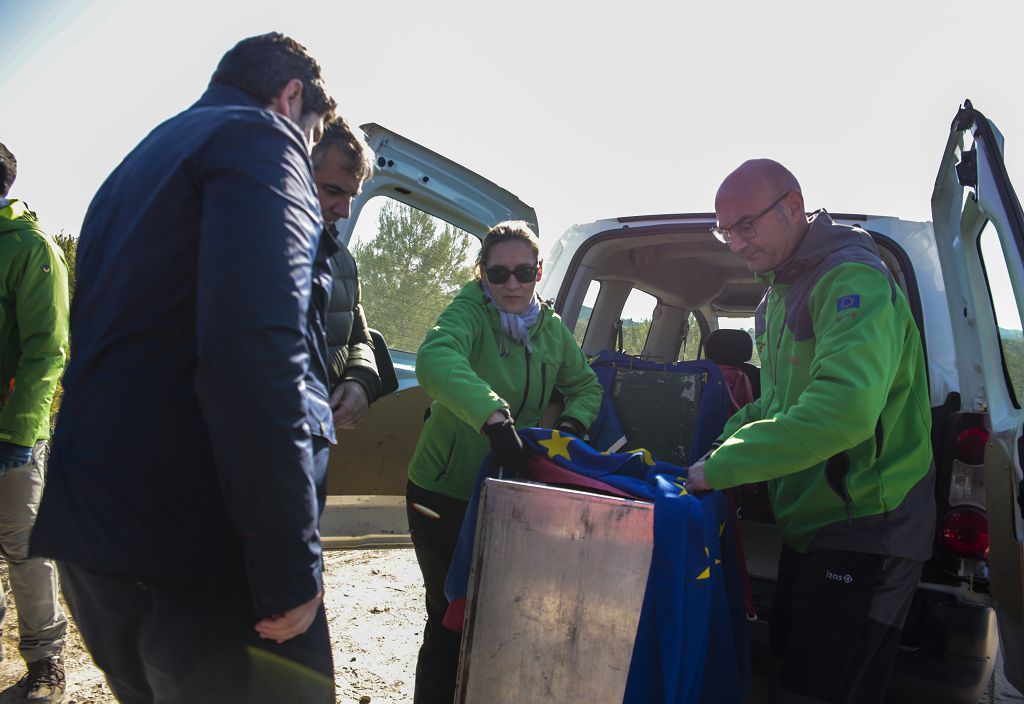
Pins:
x: 554, y: 597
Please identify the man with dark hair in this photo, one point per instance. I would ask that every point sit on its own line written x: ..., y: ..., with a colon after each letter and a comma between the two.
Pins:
x: 33, y: 349
x: 342, y: 161
x: 181, y: 501
x: 342, y: 372
x: 841, y: 433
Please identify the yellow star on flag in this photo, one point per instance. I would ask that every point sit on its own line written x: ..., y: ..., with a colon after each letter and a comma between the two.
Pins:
x: 648, y: 457
x: 558, y: 445
x: 721, y: 529
x: 706, y: 574
x: 682, y: 488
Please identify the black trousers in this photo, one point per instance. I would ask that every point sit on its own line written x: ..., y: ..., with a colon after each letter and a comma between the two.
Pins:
x: 172, y: 640
x: 836, y: 624
x: 434, y: 540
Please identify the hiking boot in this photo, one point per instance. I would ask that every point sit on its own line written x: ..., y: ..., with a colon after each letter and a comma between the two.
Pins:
x: 44, y: 681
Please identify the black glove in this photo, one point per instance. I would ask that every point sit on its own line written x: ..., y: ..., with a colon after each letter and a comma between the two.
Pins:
x: 571, y: 426
x: 507, y: 447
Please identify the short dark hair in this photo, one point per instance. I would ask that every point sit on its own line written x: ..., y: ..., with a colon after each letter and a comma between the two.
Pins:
x: 262, y: 65
x: 8, y: 170
x: 339, y: 133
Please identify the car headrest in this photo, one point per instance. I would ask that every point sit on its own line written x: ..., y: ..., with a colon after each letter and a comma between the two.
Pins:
x: 729, y: 346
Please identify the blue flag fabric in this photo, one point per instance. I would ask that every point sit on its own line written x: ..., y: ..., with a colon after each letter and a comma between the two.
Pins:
x: 692, y: 641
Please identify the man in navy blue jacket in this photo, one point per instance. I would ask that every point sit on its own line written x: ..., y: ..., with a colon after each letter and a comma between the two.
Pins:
x: 180, y: 501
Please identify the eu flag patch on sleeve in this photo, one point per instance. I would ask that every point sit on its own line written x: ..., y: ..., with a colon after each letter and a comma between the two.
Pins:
x: 847, y: 302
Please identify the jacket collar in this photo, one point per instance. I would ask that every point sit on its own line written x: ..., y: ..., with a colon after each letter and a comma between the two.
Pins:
x: 473, y: 292
x: 218, y: 95
x: 329, y: 239
x: 13, y: 209
x: 823, y: 238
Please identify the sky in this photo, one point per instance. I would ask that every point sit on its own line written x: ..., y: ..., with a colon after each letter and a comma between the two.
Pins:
x: 585, y: 110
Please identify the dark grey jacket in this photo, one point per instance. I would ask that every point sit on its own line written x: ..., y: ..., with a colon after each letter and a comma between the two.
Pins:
x: 350, y: 352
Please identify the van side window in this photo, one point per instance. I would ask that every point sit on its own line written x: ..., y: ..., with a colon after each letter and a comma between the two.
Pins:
x: 411, y: 265
x: 1011, y: 337
x: 747, y: 325
x: 637, y: 314
x: 583, y: 321
x: 691, y: 347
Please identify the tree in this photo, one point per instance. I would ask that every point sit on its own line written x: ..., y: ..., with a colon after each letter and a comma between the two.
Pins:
x: 69, y: 245
x: 634, y: 336
x: 410, y: 272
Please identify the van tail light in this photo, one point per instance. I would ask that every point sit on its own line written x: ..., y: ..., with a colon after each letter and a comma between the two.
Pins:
x: 967, y: 473
x: 965, y: 532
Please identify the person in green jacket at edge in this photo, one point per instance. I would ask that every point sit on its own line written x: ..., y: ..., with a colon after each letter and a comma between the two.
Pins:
x: 841, y: 434
x: 490, y: 364
x: 33, y: 350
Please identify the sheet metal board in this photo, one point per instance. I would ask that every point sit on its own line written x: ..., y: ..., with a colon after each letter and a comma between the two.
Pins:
x: 555, y: 591
x: 658, y: 411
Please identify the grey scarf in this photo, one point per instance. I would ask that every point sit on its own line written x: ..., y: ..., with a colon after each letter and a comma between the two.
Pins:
x: 515, y: 326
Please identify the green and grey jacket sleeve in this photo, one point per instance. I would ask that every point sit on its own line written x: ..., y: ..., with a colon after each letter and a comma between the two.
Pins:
x: 42, y: 311
x: 443, y: 369
x: 577, y: 382
x: 853, y: 364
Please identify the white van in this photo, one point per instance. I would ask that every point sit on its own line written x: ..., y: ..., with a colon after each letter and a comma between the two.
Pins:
x: 658, y: 286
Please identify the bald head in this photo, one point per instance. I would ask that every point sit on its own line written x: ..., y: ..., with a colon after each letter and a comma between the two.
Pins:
x: 757, y: 177
x: 762, y: 207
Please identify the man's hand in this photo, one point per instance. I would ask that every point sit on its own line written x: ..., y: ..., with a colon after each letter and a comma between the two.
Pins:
x: 12, y: 456
x: 695, y: 481
x: 349, y: 403
x: 282, y: 627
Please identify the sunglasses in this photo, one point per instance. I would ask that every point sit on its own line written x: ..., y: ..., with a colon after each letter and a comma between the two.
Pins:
x: 499, y: 274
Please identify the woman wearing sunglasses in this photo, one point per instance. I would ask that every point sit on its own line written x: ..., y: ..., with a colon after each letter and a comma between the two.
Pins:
x: 490, y: 364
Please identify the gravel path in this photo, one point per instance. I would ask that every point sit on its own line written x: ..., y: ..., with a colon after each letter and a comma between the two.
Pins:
x: 375, y: 609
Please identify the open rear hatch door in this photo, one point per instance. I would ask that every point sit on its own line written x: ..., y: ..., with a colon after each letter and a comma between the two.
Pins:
x: 979, y: 231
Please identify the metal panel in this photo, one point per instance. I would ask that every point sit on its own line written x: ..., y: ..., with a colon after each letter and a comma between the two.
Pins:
x: 658, y: 411
x: 554, y: 598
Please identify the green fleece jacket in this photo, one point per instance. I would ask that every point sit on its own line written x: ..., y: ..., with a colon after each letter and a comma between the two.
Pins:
x: 841, y: 431
x: 461, y: 367
x: 33, y: 324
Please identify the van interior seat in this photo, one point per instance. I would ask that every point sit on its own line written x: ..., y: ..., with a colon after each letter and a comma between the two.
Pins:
x: 734, y: 348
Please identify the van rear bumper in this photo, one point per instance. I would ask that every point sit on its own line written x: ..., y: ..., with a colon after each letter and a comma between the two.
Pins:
x: 947, y: 652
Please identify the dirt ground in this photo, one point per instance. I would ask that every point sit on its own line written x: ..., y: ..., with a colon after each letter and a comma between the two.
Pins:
x: 374, y: 604
x: 375, y: 608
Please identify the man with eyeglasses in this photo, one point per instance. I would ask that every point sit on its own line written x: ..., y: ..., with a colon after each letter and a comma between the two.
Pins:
x: 841, y: 434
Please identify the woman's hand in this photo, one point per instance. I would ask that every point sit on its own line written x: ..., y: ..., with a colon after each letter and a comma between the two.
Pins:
x: 507, y: 446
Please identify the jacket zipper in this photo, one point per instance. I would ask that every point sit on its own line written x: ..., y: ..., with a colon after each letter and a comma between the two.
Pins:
x: 543, y: 386
x: 526, y: 391
x: 837, y: 468
x: 451, y: 451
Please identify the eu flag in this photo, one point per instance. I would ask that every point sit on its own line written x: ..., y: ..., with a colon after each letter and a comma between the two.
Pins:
x: 692, y: 643
x: 847, y: 302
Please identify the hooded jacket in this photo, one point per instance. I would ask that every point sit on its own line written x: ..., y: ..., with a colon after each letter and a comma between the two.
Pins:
x: 841, y: 432
x: 33, y: 324
x: 461, y: 367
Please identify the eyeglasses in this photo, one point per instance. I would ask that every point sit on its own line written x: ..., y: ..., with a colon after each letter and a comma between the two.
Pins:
x: 744, y: 229
x: 499, y: 274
